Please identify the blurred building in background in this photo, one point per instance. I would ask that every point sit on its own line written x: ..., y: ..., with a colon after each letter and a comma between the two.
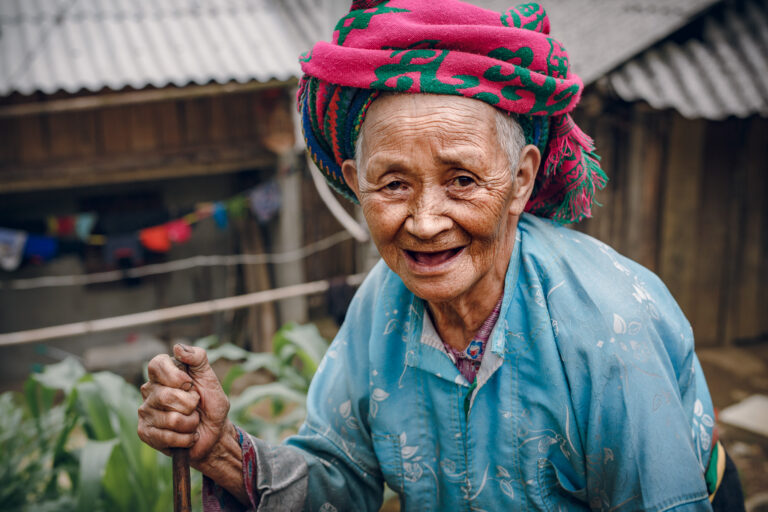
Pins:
x: 139, y: 136
x: 151, y: 133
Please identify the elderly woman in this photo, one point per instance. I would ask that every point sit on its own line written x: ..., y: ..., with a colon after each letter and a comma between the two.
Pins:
x: 493, y: 360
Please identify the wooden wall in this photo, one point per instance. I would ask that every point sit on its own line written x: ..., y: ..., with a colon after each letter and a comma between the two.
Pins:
x: 187, y: 149
x: 688, y: 199
x: 159, y: 139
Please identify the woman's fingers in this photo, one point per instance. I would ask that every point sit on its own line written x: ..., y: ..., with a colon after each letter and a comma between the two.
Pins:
x: 170, y: 420
x: 164, y: 398
x: 163, y: 370
x: 161, y: 439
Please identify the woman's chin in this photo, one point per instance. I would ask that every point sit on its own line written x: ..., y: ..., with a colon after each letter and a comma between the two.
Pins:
x: 444, y: 288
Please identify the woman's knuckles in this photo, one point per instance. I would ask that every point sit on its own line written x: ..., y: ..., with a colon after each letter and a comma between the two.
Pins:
x: 181, y: 423
x: 171, y: 399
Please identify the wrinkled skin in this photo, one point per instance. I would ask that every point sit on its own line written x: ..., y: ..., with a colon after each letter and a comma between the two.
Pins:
x: 442, y: 203
x: 189, y: 410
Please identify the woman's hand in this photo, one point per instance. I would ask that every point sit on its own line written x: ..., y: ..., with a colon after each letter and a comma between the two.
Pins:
x: 183, y: 410
x: 189, y: 410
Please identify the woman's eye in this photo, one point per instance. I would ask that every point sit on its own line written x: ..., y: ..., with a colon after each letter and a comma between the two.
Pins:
x: 463, y: 181
x: 394, y: 185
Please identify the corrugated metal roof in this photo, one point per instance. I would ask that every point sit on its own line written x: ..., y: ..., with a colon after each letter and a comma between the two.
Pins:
x: 723, y: 72
x: 600, y: 35
x: 70, y: 45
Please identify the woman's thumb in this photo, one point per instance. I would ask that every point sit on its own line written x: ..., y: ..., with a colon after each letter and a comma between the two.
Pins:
x: 194, y: 357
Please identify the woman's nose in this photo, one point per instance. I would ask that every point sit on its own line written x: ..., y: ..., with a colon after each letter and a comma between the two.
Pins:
x: 427, y: 219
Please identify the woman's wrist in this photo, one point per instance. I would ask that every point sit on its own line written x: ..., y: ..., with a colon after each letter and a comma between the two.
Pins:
x: 224, y: 465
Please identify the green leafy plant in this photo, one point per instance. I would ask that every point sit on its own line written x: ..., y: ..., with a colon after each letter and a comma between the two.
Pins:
x: 71, y: 445
x: 69, y: 442
x: 274, y: 410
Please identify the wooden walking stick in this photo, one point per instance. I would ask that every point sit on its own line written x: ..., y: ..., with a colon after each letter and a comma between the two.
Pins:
x: 181, y: 483
x: 181, y: 486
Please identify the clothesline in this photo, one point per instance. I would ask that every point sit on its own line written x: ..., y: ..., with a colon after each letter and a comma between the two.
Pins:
x: 177, y: 265
x: 172, y: 313
x: 18, y: 245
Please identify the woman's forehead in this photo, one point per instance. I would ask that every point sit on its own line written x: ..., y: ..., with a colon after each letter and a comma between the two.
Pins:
x: 416, y: 117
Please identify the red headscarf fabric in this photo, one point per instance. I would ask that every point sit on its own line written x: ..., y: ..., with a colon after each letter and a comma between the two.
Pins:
x: 448, y: 47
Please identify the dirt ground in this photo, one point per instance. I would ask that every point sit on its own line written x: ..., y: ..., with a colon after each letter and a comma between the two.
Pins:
x: 733, y: 374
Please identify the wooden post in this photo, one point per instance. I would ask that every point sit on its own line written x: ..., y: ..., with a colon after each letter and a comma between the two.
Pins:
x: 290, y: 236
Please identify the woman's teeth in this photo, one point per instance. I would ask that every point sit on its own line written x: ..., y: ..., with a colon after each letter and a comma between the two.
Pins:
x: 432, y: 258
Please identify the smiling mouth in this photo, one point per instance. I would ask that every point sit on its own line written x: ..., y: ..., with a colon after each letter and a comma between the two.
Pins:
x: 432, y: 259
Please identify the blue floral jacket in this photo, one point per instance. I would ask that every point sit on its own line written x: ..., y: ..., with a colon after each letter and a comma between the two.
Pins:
x: 589, y: 396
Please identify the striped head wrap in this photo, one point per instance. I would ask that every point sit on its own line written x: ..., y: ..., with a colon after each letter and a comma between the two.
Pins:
x: 448, y: 47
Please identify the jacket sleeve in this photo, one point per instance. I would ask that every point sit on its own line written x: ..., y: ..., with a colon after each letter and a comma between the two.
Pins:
x: 645, y: 413
x: 330, y: 464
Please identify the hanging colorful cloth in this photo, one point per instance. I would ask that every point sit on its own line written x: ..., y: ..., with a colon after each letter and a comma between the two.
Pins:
x: 179, y: 231
x: 265, y: 201
x: 448, y: 47
x: 11, y: 248
x: 220, y: 215
x: 84, y: 223
x: 155, y: 239
x: 61, y: 226
x: 40, y: 249
x: 237, y: 206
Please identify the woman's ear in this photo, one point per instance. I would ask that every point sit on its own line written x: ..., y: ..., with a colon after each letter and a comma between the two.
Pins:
x: 349, y: 170
x: 525, y: 177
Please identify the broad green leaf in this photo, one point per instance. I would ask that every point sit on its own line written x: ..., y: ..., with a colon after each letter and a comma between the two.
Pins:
x: 232, y: 375
x: 38, y: 398
x: 95, y: 412
x: 257, y: 361
x: 254, y: 394
x: 207, y: 342
x: 227, y: 351
x: 119, y: 484
x: 63, y: 375
x: 309, y: 345
x: 93, y: 463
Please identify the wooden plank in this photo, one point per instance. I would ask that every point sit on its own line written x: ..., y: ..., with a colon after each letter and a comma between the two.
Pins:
x: 680, y: 202
x: 747, y: 304
x: 133, y: 168
x: 168, y: 129
x: 238, y: 108
x: 219, y: 120
x: 143, y: 127
x: 643, y: 184
x: 33, y: 140
x: 72, y: 134
x: 657, y: 136
x: 196, y: 122
x: 709, y: 283
x: 9, y: 149
x: 736, y: 197
x: 115, y: 130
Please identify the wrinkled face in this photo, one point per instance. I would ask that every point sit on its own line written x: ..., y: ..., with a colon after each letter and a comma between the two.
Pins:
x: 437, y: 192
